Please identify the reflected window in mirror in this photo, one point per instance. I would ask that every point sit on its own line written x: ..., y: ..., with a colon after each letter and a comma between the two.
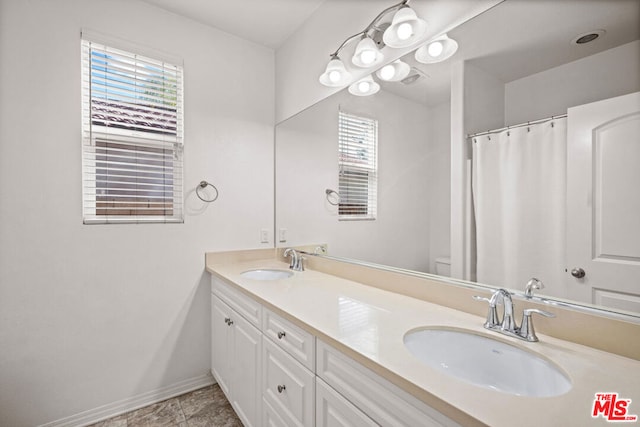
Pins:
x: 358, y: 167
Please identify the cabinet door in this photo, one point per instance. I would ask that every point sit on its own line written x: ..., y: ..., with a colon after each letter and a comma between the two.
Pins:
x: 220, y: 343
x: 270, y: 417
x: 288, y: 386
x: 246, y: 360
x: 333, y: 410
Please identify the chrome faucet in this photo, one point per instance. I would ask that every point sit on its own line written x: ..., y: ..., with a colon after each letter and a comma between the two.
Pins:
x: 296, y: 262
x: 508, y: 325
x: 532, y: 284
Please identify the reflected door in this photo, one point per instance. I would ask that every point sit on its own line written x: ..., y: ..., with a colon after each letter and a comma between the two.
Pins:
x: 603, y: 203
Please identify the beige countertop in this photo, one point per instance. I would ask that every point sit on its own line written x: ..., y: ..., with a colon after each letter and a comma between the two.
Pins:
x: 369, y: 324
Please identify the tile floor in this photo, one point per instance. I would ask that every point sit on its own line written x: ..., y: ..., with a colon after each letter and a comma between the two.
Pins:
x: 206, y: 407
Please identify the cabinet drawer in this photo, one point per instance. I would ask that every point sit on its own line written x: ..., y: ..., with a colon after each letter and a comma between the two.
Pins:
x: 381, y: 400
x: 296, y: 341
x: 333, y: 410
x: 243, y: 304
x: 287, y: 386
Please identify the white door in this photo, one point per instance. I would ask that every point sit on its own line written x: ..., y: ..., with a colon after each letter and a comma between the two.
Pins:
x: 603, y: 203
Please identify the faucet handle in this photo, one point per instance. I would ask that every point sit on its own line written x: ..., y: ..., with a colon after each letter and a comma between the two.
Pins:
x: 544, y: 313
x: 526, y: 329
x: 492, y: 315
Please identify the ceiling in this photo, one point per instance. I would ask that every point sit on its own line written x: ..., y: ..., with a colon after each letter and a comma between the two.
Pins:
x: 512, y: 40
x: 518, y: 38
x: 266, y: 22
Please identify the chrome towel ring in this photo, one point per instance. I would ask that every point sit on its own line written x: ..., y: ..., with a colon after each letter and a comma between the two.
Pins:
x: 336, y: 198
x: 203, y: 185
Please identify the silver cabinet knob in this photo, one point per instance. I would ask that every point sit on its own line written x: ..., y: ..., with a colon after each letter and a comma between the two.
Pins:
x: 281, y: 388
x: 281, y: 335
x: 578, y: 273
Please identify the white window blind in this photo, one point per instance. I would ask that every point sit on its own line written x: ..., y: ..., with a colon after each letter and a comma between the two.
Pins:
x: 358, y: 167
x: 132, y: 126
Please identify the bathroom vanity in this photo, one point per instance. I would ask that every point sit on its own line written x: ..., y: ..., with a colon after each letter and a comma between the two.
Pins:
x: 312, y: 348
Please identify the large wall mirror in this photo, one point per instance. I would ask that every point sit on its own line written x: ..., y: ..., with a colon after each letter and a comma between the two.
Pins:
x: 389, y: 201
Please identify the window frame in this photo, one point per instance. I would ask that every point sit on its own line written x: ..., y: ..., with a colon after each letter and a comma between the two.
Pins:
x: 144, y: 135
x: 366, y: 165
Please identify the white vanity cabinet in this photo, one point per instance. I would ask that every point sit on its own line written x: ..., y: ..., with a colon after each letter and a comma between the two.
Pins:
x: 288, y: 386
x: 382, y: 401
x: 333, y: 410
x: 236, y: 356
x: 277, y: 374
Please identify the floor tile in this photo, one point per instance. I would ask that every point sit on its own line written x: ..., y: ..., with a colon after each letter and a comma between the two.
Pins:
x: 163, y: 414
x: 208, y: 407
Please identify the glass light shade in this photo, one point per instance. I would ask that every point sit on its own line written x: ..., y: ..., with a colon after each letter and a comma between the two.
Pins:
x: 335, y: 74
x: 406, y: 29
x: 437, y: 50
x: 364, y: 87
x: 394, y: 72
x: 367, y: 54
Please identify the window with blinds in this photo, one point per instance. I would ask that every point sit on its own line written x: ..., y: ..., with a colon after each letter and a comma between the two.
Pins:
x: 358, y: 167
x: 132, y: 144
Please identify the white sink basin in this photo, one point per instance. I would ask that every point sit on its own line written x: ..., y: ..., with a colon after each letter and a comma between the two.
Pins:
x: 486, y: 362
x: 266, y: 274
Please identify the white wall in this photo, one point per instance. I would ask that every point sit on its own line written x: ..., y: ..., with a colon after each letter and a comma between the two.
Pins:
x: 90, y: 315
x: 607, y: 74
x: 477, y: 103
x: 439, y: 181
x: 307, y: 164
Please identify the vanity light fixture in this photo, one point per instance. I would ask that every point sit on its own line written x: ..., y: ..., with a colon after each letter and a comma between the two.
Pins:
x: 394, y: 72
x: 437, y: 50
x: 367, y: 53
x: 364, y: 87
x: 335, y: 74
x: 405, y: 29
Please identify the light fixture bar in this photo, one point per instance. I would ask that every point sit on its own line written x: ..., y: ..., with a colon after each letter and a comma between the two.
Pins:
x: 371, y: 26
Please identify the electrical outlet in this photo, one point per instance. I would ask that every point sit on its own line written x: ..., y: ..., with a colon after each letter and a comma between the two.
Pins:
x: 264, y: 235
x: 282, y: 235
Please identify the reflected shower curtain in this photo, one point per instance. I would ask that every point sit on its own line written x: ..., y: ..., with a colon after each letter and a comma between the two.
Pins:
x: 519, y: 189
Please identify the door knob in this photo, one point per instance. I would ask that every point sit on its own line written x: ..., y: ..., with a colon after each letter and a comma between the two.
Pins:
x: 578, y: 273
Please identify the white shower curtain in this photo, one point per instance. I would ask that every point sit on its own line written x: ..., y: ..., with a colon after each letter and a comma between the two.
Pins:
x: 519, y: 189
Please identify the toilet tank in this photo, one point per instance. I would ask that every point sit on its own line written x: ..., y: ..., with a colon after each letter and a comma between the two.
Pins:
x: 443, y: 266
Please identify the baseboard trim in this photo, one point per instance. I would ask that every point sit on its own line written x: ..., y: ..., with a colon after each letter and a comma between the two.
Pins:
x: 132, y: 403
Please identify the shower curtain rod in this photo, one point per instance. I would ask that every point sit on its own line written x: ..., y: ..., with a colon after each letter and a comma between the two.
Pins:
x: 489, y: 132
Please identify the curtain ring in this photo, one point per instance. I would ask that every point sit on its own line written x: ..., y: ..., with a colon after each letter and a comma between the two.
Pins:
x: 329, y: 192
x: 205, y: 184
